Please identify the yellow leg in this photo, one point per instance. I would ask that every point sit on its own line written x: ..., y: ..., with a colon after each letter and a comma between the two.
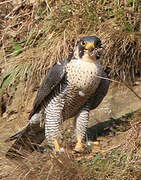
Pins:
x: 56, y: 145
x: 79, y: 147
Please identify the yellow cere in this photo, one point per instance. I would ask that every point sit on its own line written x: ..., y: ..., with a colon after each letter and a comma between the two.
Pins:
x: 89, y: 44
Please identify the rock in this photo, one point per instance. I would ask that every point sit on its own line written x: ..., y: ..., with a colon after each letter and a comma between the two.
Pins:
x: 118, y: 102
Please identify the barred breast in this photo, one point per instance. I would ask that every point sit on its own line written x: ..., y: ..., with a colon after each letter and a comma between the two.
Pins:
x: 82, y: 82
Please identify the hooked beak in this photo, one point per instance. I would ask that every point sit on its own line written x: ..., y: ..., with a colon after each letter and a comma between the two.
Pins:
x: 90, y: 46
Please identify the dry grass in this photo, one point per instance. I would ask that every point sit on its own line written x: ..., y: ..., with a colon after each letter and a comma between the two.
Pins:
x: 117, y: 161
x: 125, y: 61
x: 49, y: 166
x: 51, y: 29
x: 33, y: 36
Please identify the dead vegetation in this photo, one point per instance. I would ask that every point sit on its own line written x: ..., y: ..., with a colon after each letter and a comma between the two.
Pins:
x: 125, y: 61
x: 36, y: 34
x: 54, y: 27
x: 119, y: 158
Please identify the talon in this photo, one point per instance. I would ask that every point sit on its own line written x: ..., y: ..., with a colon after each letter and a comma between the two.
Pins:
x: 56, y: 146
x: 79, y: 147
x: 62, y: 150
x: 93, y: 143
x: 95, y: 146
x: 96, y: 143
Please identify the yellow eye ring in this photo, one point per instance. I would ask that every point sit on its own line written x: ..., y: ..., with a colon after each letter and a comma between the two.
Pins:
x: 83, y: 43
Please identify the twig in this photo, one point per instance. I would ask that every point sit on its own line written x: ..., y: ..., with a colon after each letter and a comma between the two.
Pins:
x: 15, y: 9
x: 16, y: 51
x: 5, y: 2
x: 122, y: 83
x: 50, y: 171
x: 111, y: 148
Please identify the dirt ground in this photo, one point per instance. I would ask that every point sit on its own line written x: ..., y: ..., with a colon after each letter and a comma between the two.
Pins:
x: 106, y: 116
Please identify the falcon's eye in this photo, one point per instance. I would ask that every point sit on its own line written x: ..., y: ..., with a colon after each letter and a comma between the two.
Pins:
x: 83, y: 43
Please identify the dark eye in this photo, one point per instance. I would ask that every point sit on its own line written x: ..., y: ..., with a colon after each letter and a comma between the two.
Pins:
x: 98, y: 44
x: 83, y: 43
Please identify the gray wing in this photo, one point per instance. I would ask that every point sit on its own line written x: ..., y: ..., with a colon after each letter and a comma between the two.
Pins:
x: 52, y: 79
x: 29, y: 138
x: 100, y: 93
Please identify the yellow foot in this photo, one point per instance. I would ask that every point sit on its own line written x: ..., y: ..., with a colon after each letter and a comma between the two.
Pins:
x: 94, y: 143
x: 57, y: 147
x: 79, y: 147
x: 95, y: 146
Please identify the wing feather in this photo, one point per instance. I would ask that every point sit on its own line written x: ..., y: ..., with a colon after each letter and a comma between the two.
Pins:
x: 100, y: 93
x: 51, y: 80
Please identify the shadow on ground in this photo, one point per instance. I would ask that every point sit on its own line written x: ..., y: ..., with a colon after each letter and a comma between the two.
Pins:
x: 110, y: 126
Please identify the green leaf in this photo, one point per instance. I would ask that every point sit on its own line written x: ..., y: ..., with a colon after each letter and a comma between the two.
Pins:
x: 16, y: 46
x: 128, y: 27
x: 97, y: 157
x: 8, y: 77
x: 16, y: 53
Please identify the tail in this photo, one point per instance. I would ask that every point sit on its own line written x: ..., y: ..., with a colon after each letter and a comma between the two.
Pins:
x: 26, y: 141
x: 15, y: 136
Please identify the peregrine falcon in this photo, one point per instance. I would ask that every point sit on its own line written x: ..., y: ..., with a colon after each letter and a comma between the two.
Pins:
x: 71, y: 88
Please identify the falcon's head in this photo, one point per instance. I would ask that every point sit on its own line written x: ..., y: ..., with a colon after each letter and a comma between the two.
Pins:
x: 88, y: 48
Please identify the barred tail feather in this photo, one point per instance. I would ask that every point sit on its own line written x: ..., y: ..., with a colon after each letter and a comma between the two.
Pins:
x: 26, y: 141
x: 15, y: 136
